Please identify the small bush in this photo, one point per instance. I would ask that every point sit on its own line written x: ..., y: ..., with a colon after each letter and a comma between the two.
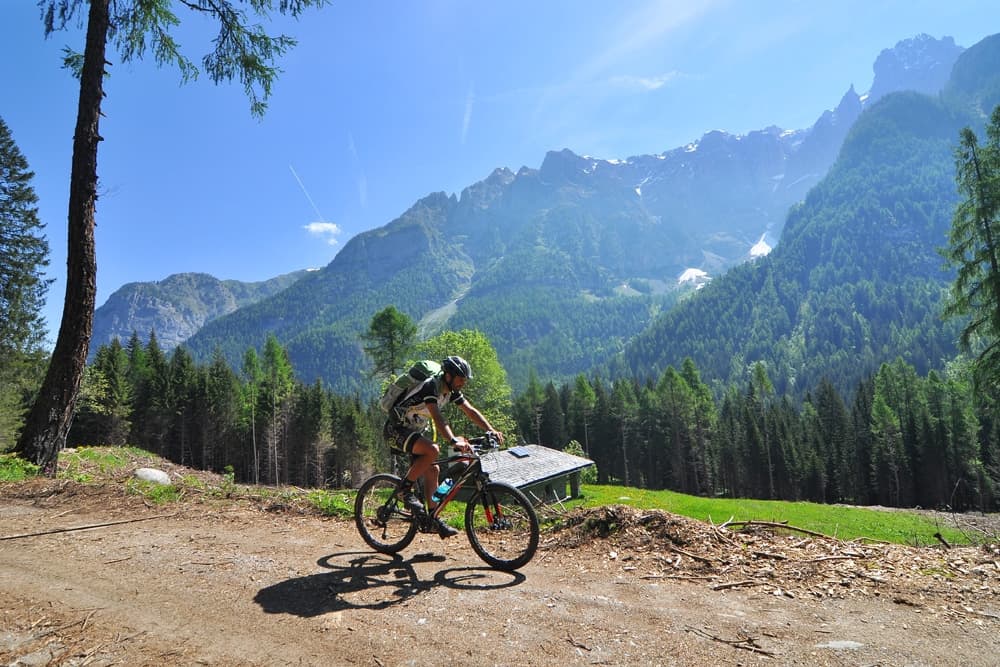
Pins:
x: 15, y: 469
x: 158, y: 494
x: 332, y: 503
x: 587, y: 475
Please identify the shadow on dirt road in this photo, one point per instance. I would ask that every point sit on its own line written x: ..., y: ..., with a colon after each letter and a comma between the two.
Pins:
x: 360, y: 580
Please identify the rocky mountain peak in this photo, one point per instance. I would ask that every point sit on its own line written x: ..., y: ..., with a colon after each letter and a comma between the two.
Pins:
x: 485, y: 192
x: 850, y: 105
x: 921, y: 63
x: 564, y: 165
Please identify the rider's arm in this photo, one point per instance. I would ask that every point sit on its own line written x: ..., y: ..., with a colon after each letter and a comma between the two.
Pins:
x: 477, y: 418
x: 443, y: 428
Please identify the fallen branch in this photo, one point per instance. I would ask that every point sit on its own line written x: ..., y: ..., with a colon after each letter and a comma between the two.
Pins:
x: 940, y: 538
x: 683, y: 577
x: 707, y: 561
x: 718, y: 533
x: 87, y: 527
x: 209, y: 563
x: 747, y: 644
x: 70, y: 625
x: 839, y: 557
x: 117, y: 560
x: 736, y: 584
x: 775, y: 524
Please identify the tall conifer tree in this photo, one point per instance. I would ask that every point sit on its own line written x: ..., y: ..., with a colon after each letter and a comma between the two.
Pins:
x: 242, y: 50
x: 974, y: 248
x: 23, y: 254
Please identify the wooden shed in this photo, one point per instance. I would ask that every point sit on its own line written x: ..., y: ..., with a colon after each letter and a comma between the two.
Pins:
x: 542, y: 473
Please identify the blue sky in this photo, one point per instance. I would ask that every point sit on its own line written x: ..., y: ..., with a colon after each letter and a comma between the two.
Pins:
x: 384, y: 102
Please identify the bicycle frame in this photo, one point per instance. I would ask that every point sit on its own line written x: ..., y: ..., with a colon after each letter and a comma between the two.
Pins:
x: 473, y: 471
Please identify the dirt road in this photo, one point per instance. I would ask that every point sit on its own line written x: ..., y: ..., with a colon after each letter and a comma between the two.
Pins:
x: 229, y: 582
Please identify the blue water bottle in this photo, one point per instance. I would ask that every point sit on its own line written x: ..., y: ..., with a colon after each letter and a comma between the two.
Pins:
x: 443, y: 489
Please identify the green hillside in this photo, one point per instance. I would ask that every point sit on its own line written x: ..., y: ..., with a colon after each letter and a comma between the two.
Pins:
x: 857, y: 278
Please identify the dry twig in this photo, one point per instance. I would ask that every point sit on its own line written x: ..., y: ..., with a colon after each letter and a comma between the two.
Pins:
x: 940, y: 538
x: 87, y: 527
x: 775, y: 524
x: 736, y: 584
x: 748, y: 643
x: 692, y: 556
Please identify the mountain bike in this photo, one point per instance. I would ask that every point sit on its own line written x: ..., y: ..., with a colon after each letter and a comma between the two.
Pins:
x: 500, y: 521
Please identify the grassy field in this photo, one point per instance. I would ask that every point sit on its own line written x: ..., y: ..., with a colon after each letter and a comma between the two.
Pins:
x: 842, y: 522
x: 89, y: 465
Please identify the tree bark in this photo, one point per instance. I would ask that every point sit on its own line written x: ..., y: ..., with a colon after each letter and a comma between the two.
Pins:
x: 50, y: 417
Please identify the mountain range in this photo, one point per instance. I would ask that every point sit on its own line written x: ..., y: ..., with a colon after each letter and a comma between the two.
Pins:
x: 177, y: 306
x: 579, y: 264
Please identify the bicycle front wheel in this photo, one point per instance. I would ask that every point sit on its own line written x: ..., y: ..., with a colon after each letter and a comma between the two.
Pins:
x: 502, y: 526
x: 381, y: 518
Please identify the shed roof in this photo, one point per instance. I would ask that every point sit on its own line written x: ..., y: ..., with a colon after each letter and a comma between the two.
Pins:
x: 531, y: 464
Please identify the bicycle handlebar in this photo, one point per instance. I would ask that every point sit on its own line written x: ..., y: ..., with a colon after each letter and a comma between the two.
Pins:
x: 485, y: 443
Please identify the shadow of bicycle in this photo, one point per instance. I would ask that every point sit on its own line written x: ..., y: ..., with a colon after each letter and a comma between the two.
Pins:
x: 371, y: 581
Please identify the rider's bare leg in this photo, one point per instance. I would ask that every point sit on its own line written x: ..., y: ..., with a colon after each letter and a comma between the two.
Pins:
x: 425, y: 452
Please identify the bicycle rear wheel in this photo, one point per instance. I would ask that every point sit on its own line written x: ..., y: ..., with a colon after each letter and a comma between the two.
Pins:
x: 502, y: 526
x: 382, y: 520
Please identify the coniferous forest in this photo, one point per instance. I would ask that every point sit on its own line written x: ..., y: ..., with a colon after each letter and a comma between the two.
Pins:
x: 900, y: 439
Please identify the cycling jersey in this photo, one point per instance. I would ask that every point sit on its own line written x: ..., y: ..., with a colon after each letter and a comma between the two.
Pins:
x: 412, y: 411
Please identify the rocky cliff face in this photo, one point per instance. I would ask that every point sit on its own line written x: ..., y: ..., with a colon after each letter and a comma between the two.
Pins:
x: 176, y: 307
x: 921, y: 64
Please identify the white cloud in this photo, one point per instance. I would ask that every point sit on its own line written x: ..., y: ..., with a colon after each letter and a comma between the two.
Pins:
x: 637, y: 37
x: 645, y: 83
x: 326, y: 230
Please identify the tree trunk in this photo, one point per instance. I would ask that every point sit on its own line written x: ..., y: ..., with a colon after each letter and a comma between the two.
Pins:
x: 49, y: 420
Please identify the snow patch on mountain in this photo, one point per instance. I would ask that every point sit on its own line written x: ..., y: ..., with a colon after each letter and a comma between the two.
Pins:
x: 760, y: 248
x: 695, y: 276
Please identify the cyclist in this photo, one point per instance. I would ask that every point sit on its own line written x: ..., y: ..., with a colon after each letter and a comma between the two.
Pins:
x: 404, y: 429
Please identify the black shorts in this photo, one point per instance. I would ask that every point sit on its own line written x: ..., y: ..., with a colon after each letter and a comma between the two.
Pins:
x: 399, y: 437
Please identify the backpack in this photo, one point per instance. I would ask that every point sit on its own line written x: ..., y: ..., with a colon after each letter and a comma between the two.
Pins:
x: 402, y: 385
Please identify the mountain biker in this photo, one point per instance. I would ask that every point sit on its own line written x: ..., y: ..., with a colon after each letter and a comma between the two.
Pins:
x: 404, y: 429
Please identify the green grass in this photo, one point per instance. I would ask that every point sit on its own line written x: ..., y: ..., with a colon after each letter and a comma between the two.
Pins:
x: 333, y: 503
x: 80, y: 463
x: 16, y: 469
x: 83, y: 464
x: 157, y: 494
x: 845, y: 523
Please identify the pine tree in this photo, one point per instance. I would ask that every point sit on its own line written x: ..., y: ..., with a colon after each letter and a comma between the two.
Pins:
x: 274, y: 405
x: 220, y: 432
x: 23, y: 253
x: 389, y: 341
x: 762, y: 392
x: 581, y: 411
x: 974, y: 248
x: 553, y: 421
x: 180, y: 407
x: 253, y: 376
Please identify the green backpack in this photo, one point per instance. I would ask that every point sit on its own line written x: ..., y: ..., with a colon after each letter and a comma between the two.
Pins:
x: 401, y: 386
